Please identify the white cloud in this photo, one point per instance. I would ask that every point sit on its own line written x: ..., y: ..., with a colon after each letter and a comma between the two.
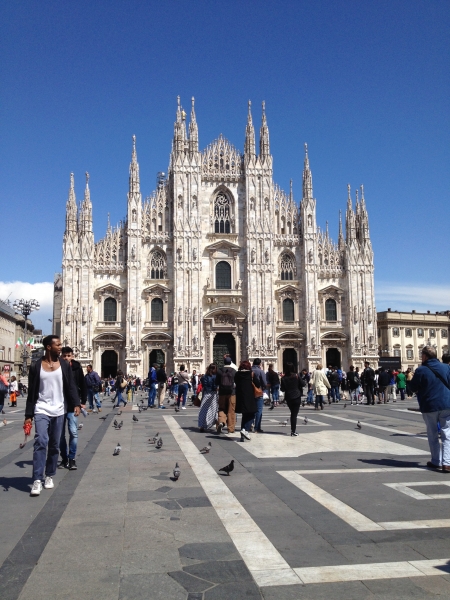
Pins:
x: 42, y: 292
x: 404, y: 296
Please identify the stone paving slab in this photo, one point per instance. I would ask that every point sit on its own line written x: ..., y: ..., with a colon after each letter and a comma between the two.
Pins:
x: 136, y: 533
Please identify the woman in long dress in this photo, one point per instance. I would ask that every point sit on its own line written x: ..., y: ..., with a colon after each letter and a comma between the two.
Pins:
x: 210, y: 399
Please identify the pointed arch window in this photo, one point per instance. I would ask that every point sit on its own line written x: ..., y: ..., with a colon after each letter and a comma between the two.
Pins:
x: 157, y: 268
x: 223, y: 275
x: 110, y: 310
x: 157, y: 310
x: 287, y: 267
x: 330, y: 310
x: 288, y: 310
x: 222, y: 214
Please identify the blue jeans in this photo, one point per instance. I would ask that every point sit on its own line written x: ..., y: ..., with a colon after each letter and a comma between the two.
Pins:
x: 275, y: 391
x: 259, y: 411
x: 174, y: 390
x: 47, y: 435
x: 72, y: 426
x: 93, y: 396
x: 335, y: 394
x: 182, y: 391
x: 152, y: 394
x: 310, y: 397
x: 120, y: 398
x: 431, y: 421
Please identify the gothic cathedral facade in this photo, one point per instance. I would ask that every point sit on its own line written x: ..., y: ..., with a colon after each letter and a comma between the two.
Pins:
x: 219, y: 259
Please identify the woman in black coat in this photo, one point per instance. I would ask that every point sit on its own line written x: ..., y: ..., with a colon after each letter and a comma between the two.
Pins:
x: 292, y: 386
x: 245, y: 397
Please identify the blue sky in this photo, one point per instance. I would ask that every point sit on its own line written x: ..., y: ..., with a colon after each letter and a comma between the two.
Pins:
x: 366, y: 84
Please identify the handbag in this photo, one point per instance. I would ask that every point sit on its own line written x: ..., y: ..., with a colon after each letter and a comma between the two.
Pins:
x: 196, y: 401
x: 257, y: 392
x: 123, y: 385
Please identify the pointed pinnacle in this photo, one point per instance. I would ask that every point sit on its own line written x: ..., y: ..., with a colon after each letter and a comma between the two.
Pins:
x: 87, y: 180
x: 72, y: 181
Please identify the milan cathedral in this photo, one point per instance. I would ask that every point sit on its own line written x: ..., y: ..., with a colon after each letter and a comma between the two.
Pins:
x: 218, y: 259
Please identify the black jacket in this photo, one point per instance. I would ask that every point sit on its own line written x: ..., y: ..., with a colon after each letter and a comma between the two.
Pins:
x: 384, y: 379
x: 80, y: 381
x: 245, y: 397
x: 292, y: 386
x: 70, y: 391
x: 161, y: 376
x: 333, y: 378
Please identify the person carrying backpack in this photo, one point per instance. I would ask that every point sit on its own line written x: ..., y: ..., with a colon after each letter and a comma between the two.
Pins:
x: 227, y: 397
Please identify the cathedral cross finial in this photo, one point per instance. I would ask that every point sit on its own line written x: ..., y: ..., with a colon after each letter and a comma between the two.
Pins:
x: 72, y: 181
x: 87, y: 179
x: 306, y: 150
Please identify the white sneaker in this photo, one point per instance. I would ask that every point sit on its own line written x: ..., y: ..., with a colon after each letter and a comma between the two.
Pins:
x: 37, y: 488
x: 48, y: 483
x: 245, y: 434
x: 183, y: 408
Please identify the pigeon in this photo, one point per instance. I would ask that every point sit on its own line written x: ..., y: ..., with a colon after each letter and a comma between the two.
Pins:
x: 303, y: 403
x: 228, y: 468
x: 159, y: 444
x: 176, y: 472
x: 103, y: 418
x: 119, y: 413
x: 84, y: 412
x: 206, y: 449
x: 95, y: 411
x: 135, y: 419
x: 117, y: 449
x: 358, y: 425
x: 80, y: 426
x: 177, y: 409
x: 140, y: 408
x: 305, y: 420
x: 345, y: 405
x: 284, y: 423
x: 115, y: 423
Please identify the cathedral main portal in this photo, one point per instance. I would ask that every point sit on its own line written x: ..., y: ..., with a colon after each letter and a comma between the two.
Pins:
x: 224, y: 343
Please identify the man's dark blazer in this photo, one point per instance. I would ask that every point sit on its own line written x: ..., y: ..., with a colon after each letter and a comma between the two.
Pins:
x: 70, y: 392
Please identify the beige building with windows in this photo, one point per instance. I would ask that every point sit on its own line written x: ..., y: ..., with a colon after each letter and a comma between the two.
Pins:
x: 217, y: 259
x: 404, y: 334
x: 7, y: 338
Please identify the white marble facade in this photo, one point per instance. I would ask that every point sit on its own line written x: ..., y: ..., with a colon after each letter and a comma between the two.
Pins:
x: 218, y: 257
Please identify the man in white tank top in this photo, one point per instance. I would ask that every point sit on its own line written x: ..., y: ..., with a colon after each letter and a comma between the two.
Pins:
x: 51, y: 393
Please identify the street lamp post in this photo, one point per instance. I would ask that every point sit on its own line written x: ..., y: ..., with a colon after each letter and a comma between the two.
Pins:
x: 25, y: 308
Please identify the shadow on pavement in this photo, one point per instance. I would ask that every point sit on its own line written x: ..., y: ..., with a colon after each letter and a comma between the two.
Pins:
x: 18, y: 483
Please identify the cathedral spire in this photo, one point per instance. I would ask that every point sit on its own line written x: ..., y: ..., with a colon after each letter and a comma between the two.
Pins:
x: 307, y: 177
x: 193, y: 131
x: 264, y: 144
x: 291, y: 193
x: 350, y: 219
x: 71, y: 207
x: 179, y: 137
x: 250, y: 146
x: 341, y: 234
x: 364, y: 218
x: 86, y: 209
x: 108, y: 226
x: 134, y: 184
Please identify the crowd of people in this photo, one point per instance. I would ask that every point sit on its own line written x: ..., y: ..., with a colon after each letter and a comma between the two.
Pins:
x: 58, y: 391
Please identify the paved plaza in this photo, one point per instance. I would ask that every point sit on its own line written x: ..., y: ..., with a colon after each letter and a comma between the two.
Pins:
x: 338, y: 512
